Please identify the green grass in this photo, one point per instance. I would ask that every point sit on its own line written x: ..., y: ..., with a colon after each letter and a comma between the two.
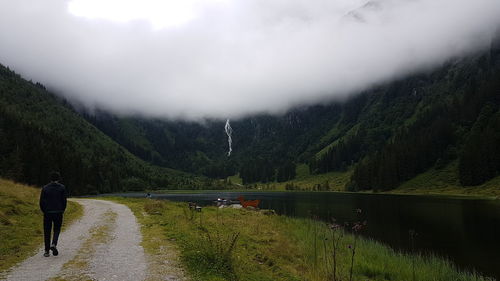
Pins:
x: 235, y: 179
x: 304, y: 181
x: 445, y: 181
x: 438, y: 181
x: 21, y: 222
x: 435, y: 181
x: 271, y: 247
x: 352, y: 131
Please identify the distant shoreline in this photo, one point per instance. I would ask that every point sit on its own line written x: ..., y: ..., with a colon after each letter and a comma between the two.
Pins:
x: 397, y: 192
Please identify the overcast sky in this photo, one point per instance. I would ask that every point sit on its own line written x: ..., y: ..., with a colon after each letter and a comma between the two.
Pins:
x: 228, y: 58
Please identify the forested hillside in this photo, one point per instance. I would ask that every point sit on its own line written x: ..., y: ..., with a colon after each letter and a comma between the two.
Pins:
x: 40, y: 133
x: 457, y: 118
x: 387, y: 135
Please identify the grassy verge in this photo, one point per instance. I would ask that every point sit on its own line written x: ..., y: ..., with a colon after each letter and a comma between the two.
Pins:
x: 230, y: 244
x: 21, y: 224
x: 445, y: 181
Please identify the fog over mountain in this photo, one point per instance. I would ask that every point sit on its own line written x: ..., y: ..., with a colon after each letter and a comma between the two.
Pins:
x: 230, y: 58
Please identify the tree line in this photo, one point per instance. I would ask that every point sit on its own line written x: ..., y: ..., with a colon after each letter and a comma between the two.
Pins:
x: 40, y: 133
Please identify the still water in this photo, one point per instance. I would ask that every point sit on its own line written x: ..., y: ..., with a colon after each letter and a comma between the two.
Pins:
x: 467, y: 231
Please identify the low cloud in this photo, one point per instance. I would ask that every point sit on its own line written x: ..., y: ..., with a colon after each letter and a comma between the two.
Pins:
x: 230, y: 58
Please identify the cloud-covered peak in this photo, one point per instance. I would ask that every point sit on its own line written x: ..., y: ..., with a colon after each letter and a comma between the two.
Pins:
x: 228, y: 58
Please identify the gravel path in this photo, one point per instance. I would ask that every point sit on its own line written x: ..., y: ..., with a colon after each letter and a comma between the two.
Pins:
x: 123, y: 257
x: 103, y: 245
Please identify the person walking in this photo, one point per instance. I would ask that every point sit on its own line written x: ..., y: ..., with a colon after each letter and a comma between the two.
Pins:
x: 53, y: 200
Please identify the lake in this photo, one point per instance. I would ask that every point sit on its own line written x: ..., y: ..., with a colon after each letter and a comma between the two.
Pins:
x: 465, y: 230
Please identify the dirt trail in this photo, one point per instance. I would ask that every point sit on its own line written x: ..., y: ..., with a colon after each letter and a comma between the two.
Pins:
x: 103, y: 245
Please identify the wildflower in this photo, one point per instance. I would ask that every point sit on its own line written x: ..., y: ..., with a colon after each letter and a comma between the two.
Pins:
x: 358, y: 226
x: 334, y: 226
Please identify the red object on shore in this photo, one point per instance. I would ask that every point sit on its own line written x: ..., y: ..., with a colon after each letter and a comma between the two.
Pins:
x: 249, y: 203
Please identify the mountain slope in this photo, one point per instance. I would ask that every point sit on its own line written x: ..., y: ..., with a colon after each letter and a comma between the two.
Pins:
x: 441, y: 129
x: 388, y: 134
x: 384, y: 136
x: 40, y: 133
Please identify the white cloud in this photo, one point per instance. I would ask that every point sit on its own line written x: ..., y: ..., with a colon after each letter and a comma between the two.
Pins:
x: 233, y: 57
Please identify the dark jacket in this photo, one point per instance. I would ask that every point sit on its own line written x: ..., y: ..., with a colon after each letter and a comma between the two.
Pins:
x: 53, y: 198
